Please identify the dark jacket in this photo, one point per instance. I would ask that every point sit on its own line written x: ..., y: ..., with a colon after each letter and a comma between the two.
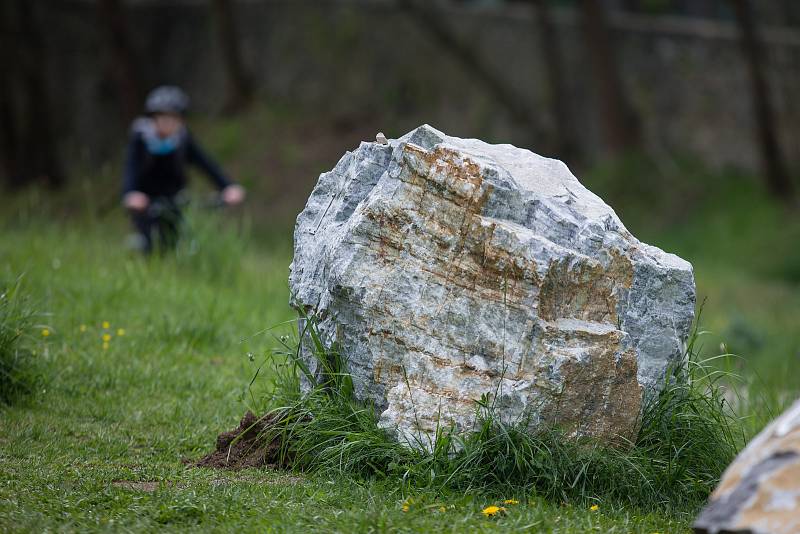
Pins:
x: 165, y: 174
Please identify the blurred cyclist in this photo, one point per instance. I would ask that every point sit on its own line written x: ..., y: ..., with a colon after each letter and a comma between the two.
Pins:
x: 159, y: 151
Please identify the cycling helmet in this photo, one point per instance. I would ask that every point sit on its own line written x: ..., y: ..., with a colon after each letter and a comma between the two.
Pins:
x: 166, y: 99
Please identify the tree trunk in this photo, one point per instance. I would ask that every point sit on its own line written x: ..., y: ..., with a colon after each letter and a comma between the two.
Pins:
x: 430, y: 20
x: 124, y: 66
x: 564, y: 122
x: 9, y: 134
x: 39, y: 138
x: 9, y: 129
x: 778, y: 181
x: 620, y: 124
x: 240, y: 87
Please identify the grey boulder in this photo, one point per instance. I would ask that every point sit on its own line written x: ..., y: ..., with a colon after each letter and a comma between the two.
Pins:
x: 760, y: 491
x: 448, y: 270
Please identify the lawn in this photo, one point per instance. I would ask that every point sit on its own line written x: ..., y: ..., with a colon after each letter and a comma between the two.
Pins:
x: 100, y: 444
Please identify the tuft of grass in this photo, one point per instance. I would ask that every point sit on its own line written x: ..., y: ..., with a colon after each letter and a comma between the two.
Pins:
x: 688, y: 435
x: 20, y: 373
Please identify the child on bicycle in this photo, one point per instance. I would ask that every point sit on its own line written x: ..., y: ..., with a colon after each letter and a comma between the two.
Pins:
x: 159, y: 150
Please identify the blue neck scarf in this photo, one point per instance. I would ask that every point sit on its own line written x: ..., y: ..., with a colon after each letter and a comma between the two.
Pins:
x: 156, y: 145
x: 161, y: 146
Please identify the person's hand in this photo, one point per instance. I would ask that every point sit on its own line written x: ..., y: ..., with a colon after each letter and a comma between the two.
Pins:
x: 233, y: 195
x: 136, y: 201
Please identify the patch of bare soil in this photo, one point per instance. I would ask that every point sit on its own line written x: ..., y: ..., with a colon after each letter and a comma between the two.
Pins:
x: 246, y: 446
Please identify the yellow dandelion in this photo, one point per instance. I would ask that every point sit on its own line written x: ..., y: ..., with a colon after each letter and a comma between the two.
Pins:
x: 82, y: 328
x: 594, y: 507
x: 106, y: 325
x: 442, y: 509
x: 491, y: 511
x: 106, y: 337
x: 511, y: 501
x: 120, y: 331
x: 45, y: 332
x: 407, y: 504
x: 105, y: 345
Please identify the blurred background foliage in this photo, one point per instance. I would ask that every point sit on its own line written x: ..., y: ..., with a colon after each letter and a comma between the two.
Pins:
x: 681, y: 114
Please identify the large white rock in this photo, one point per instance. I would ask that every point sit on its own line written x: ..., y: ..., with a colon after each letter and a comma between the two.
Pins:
x: 446, y: 269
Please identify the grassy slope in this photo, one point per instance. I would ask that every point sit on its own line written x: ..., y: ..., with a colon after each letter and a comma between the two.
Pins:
x: 163, y: 390
x: 175, y: 379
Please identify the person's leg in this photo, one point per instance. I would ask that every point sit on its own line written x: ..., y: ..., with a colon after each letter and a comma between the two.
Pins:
x: 142, y: 239
x: 169, y: 226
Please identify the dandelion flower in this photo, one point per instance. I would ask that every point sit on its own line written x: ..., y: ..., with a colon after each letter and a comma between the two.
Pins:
x: 82, y: 328
x: 442, y: 509
x: 45, y: 332
x: 106, y: 337
x: 594, y: 507
x: 120, y: 331
x: 407, y: 503
x: 491, y: 511
x: 106, y: 325
x: 105, y: 345
x: 510, y: 501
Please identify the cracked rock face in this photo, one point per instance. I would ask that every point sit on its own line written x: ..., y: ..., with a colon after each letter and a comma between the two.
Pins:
x: 760, y: 491
x: 446, y: 269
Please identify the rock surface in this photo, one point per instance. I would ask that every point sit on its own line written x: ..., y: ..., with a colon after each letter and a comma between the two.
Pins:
x: 760, y: 491
x: 448, y: 268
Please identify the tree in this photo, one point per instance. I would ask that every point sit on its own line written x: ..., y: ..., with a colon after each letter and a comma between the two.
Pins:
x: 9, y: 136
x: 29, y: 138
x: 123, y: 64
x: 564, y: 123
x: 240, y: 86
x: 431, y: 21
x: 778, y: 181
x: 620, y: 123
x: 9, y: 129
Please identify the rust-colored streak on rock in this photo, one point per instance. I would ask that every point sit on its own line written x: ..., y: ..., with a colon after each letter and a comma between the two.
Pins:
x: 590, y: 363
x: 584, y: 291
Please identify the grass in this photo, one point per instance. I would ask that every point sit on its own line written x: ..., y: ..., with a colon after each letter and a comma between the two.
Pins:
x: 688, y: 436
x: 20, y: 370
x: 99, y: 445
x: 102, y: 447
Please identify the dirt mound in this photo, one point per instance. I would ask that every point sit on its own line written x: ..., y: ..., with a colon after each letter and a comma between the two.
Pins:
x: 246, y: 446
